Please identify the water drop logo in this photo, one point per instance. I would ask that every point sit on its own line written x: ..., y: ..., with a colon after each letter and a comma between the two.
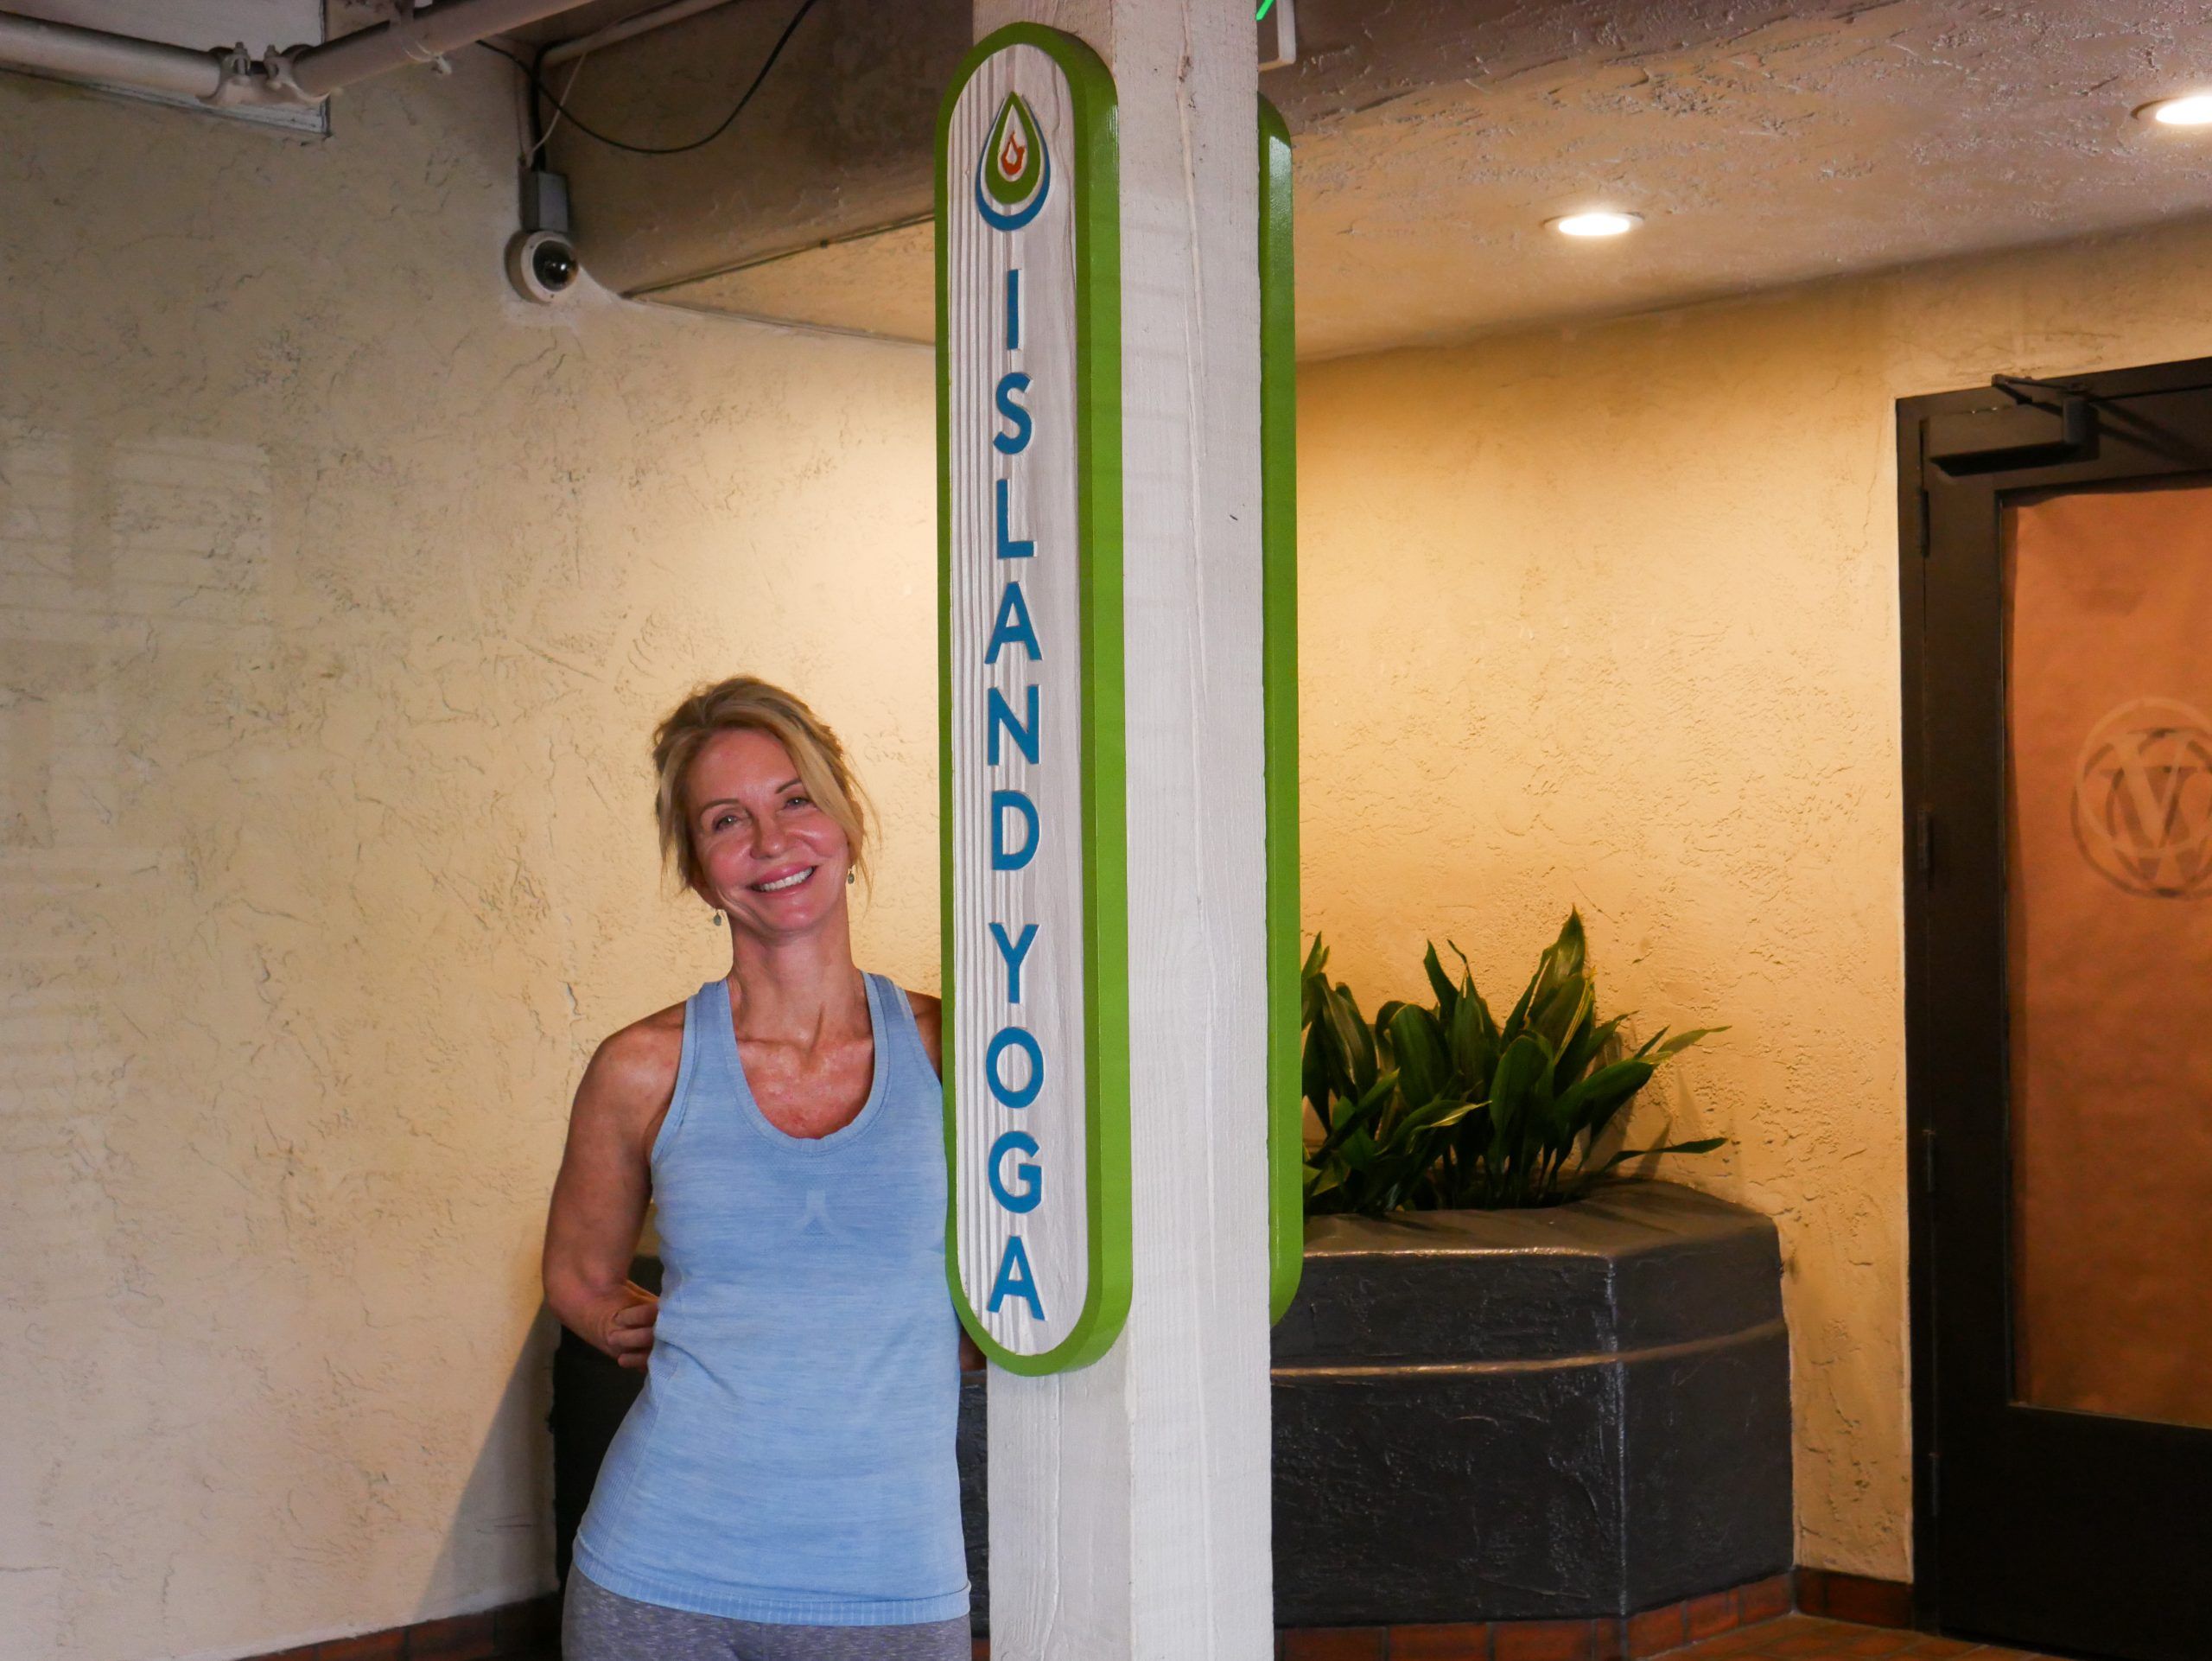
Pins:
x: 1014, y: 172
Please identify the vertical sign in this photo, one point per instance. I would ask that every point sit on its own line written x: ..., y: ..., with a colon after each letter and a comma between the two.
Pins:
x: 1029, y: 639
x: 1279, y: 678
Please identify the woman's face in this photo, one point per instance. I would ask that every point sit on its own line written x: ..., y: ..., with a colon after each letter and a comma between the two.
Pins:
x: 768, y: 855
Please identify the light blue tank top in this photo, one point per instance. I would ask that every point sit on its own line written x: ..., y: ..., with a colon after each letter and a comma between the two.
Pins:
x: 791, y: 1459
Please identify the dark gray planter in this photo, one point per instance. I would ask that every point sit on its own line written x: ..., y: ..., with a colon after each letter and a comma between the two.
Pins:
x: 1501, y: 1416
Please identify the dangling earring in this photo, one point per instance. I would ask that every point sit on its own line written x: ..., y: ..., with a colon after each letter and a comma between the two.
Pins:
x: 849, y: 879
x: 718, y: 919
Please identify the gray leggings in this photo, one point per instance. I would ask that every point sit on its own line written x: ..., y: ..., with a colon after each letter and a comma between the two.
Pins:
x: 597, y: 1625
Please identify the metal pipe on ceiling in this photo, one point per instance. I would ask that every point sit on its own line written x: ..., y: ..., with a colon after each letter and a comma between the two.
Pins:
x: 50, y: 49
x: 427, y: 35
x: 226, y: 76
x: 643, y: 23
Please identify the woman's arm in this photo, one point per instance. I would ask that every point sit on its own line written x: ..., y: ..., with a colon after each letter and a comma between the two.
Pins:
x: 929, y: 1021
x: 599, y: 1199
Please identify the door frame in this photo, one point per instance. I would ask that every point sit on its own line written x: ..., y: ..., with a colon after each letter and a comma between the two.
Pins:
x: 1931, y: 1065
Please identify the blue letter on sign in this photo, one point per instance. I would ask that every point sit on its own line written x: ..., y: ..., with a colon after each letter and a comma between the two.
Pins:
x: 1002, y: 857
x: 1014, y: 951
x: 1013, y: 627
x: 1015, y: 442
x: 1032, y: 1188
x: 1013, y: 1038
x: 1008, y: 548
x: 1015, y: 1276
x: 998, y: 713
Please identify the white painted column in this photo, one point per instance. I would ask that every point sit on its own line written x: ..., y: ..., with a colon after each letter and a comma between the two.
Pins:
x: 1130, y: 1499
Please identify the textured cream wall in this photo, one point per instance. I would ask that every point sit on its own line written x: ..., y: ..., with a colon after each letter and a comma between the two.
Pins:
x: 339, y: 591
x: 1608, y: 617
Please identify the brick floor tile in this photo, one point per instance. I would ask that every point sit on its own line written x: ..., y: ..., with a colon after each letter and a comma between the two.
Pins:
x: 1335, y: 1643
x: 1456, y: 1640
x: 1810, y: 1641
x: 1710, y: 1616
x: 1877, y: 1641
x: 1656, y: 1631
x: 1542, y: 1640
x: 1764, y: 1600
x: 1744, y: 1640
x: 1874, y: 1603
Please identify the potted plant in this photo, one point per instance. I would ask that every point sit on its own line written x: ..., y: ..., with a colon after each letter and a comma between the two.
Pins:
x: 1514, y: 1385
x: 1442, y: 1105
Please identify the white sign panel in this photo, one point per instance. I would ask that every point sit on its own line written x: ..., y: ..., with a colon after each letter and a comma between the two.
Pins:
x: 1030, y: 626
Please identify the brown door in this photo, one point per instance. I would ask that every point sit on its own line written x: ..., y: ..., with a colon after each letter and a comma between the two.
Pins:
x: 2058, y: 631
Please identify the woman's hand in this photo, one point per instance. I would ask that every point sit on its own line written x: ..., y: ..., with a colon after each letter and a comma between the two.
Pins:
x: 627, y: 1333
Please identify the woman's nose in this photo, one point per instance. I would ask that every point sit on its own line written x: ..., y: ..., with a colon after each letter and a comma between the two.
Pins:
x: 768, y: 838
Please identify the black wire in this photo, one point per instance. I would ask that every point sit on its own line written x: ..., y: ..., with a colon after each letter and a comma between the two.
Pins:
x: 581, y: 127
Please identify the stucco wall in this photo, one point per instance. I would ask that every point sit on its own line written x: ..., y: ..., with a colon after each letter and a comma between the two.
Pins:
x: 1607, y: 617
x: 339, y: 590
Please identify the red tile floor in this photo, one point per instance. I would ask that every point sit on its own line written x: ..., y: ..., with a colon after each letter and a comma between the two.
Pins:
x: 1808, y: 1637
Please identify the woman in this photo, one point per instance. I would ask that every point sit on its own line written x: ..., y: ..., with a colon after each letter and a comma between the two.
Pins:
x: 785, y: 1488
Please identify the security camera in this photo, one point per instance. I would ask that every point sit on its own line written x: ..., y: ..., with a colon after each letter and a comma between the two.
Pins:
x: 543, y: 265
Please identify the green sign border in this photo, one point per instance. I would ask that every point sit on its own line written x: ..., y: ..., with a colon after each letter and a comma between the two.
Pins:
x: 1278, y: 681
x: 1096, y: 180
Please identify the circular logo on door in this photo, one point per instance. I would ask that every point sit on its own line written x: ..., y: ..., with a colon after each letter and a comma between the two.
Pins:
x: 2143, y: 799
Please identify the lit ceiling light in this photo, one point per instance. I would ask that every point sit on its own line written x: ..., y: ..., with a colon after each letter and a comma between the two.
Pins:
x: 1601, y: 224
x: 2193, y: 109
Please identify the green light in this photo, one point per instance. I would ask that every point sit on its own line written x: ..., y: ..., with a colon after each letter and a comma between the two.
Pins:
x: 1266, y: 6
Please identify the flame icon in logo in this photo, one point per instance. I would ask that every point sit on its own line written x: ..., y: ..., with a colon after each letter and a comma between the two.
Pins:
x: 1014, y: 172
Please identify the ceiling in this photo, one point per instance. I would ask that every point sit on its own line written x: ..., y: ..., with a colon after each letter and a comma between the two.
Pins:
x: 1762, y: 143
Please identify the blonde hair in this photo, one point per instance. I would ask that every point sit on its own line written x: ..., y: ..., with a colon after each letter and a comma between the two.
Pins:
x: 740, y: 704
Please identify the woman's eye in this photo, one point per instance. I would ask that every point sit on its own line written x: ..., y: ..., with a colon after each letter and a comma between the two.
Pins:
x: 722, y: 820
x: 797, y: 801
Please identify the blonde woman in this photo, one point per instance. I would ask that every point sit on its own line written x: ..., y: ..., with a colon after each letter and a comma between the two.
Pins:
x: 785, y: 1488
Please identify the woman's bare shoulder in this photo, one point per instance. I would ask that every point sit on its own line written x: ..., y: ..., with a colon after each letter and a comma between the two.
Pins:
x: 632, y: 1077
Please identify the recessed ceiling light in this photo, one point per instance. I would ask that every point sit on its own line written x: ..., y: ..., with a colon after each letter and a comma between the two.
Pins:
x: 1602, y: 223
x: 2192, y: 110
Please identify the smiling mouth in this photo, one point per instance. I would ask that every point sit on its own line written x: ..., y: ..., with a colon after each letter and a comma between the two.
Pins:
x: 782, y: 884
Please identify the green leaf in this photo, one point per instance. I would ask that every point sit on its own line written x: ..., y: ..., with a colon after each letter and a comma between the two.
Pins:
x: 1561, y: 1012
x: 1474, y: 1044
x: 1703, y: 1145
x: 1517, y: 1022
x: 1378, y: 1097
x: 1424, y: 1063
x: 1520, y: 1078
x: 1384, y: 1015
x: 1354, y: 1039
x: 1589, y: 1041
x: 1682, y: 1040
x: 1570, y: 953
x: 1447, y: 995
